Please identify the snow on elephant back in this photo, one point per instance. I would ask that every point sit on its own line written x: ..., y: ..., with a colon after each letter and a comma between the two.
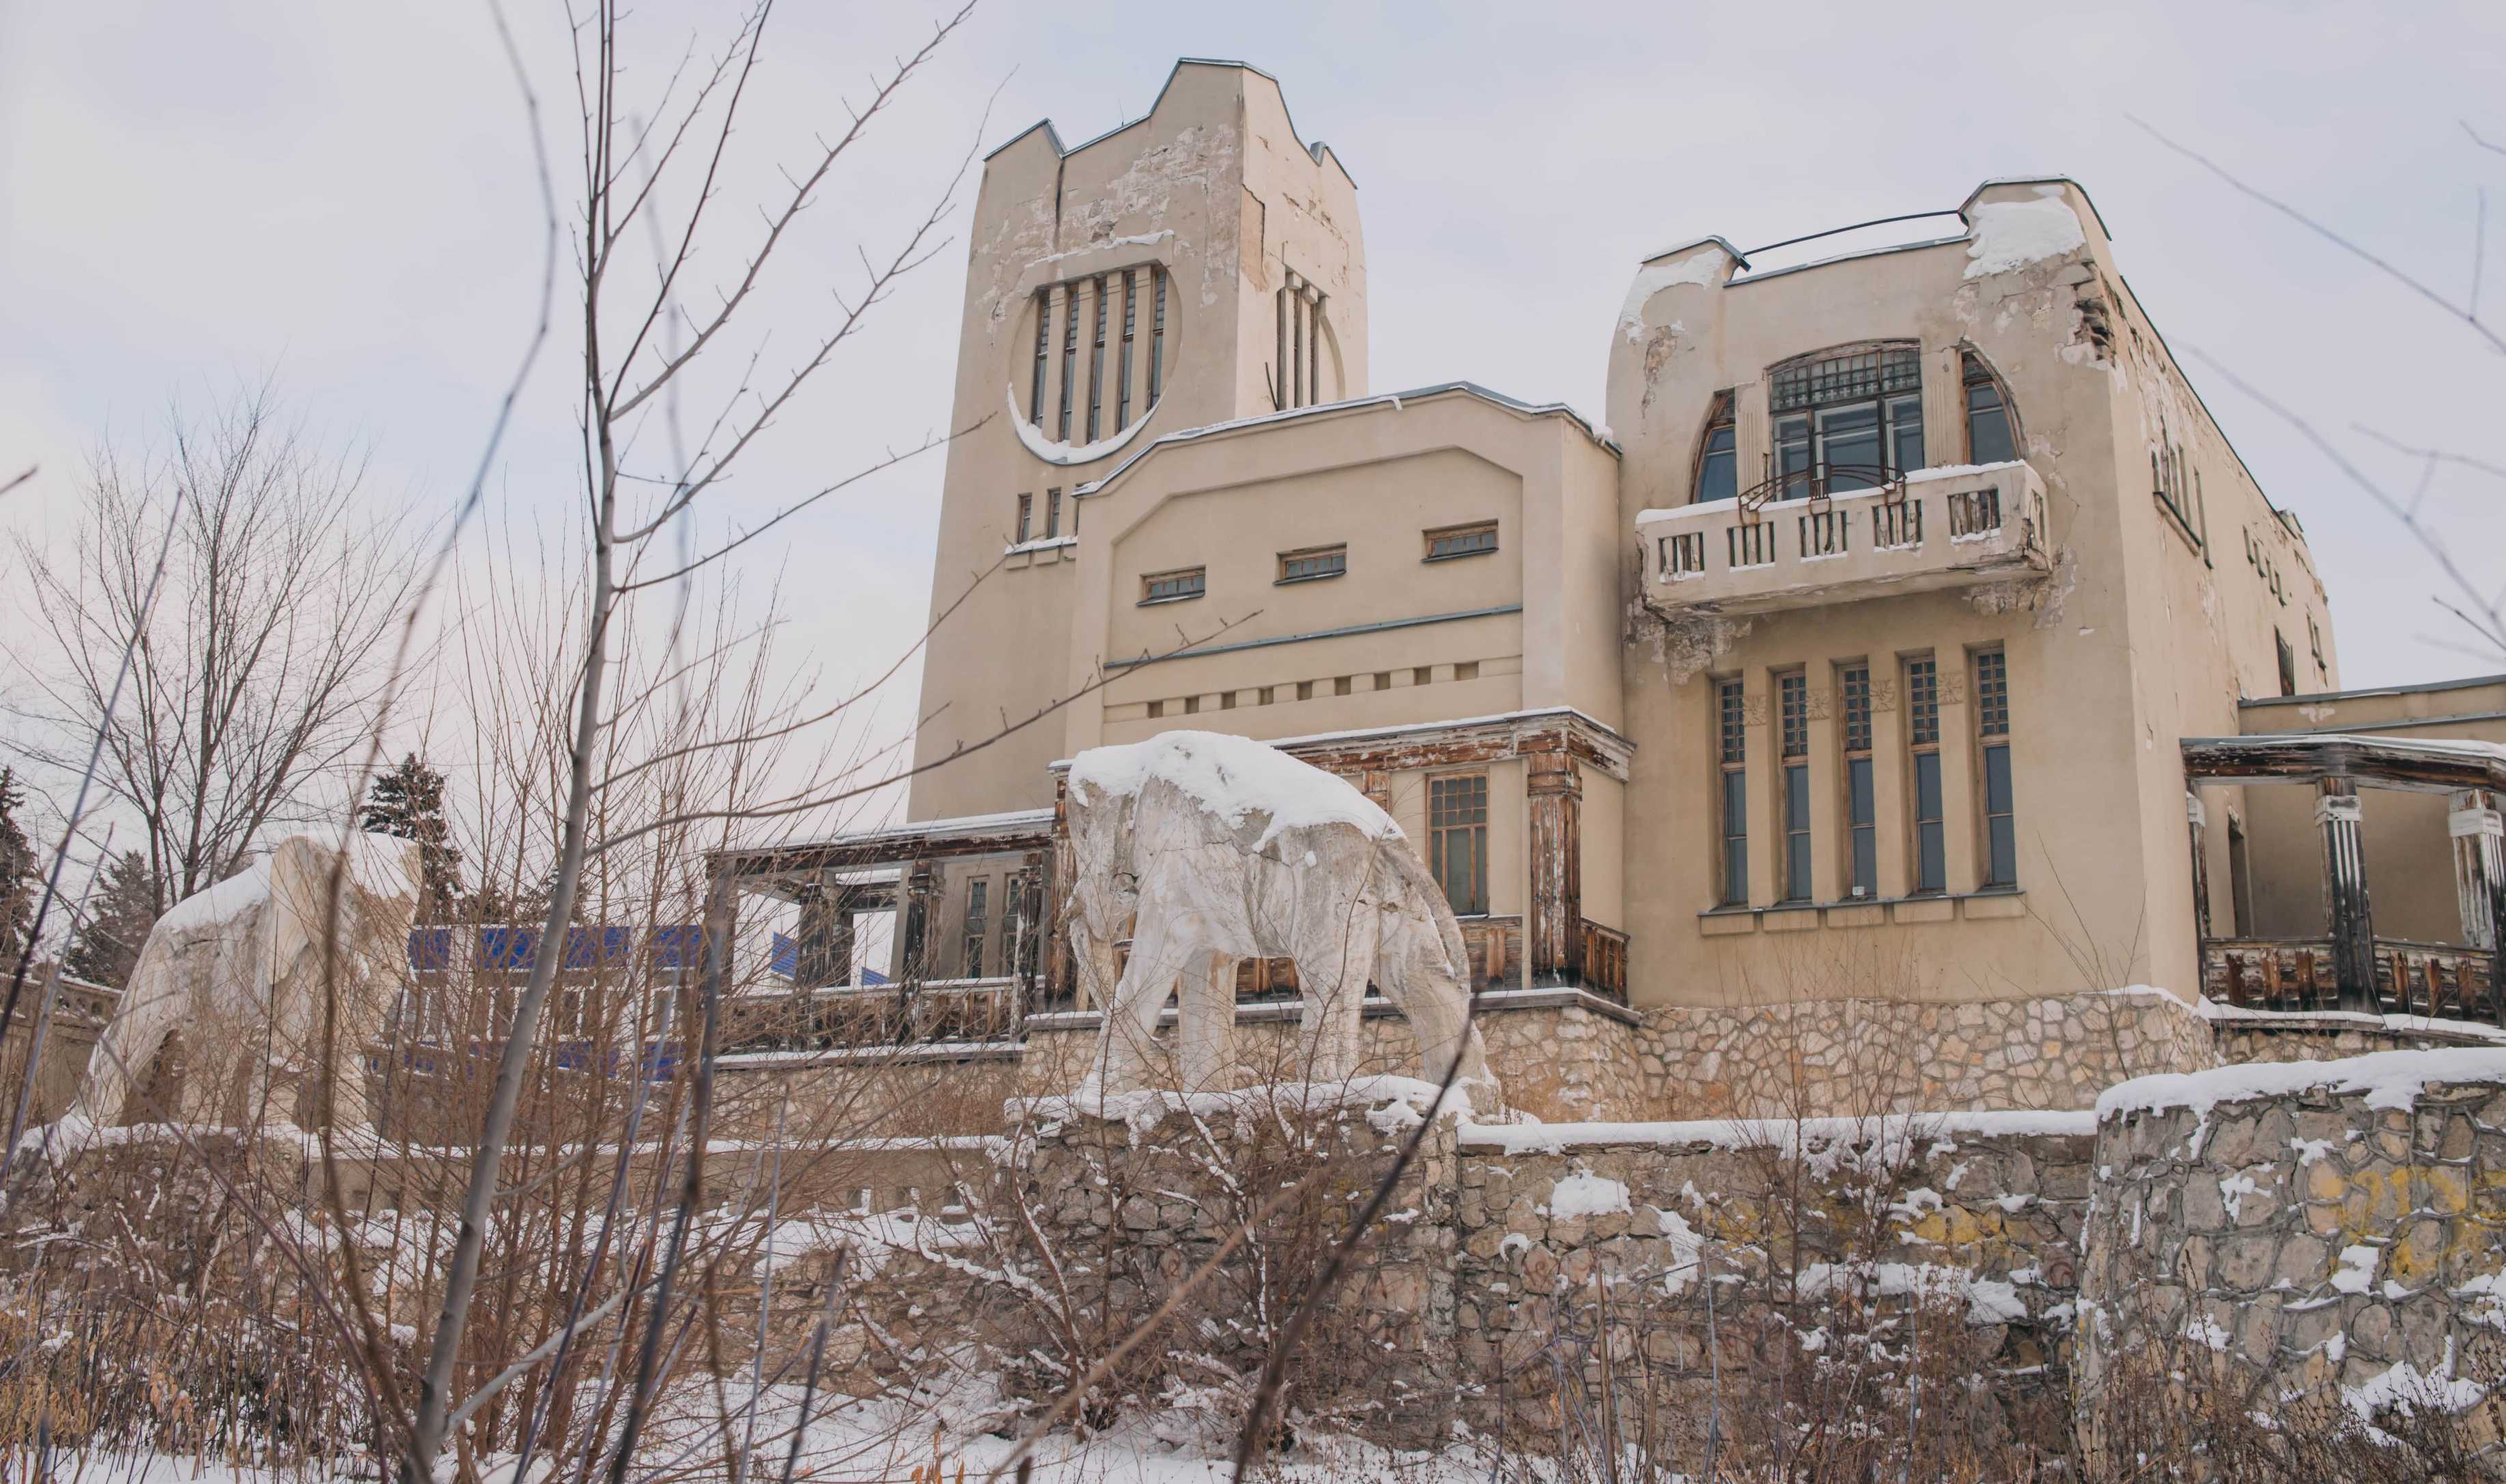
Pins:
x: 238, y: 974
x: 1213, y: 849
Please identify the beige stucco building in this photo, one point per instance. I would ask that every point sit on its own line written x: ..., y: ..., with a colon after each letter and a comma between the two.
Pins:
x: 1855, y: 660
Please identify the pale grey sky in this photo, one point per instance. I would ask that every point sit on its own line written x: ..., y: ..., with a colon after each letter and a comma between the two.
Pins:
x: 338, y: 196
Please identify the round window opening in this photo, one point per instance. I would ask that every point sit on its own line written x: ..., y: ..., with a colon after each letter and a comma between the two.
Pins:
x: 1093, y: 362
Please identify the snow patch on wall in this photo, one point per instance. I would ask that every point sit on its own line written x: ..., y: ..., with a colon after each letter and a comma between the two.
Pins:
x: 1587, y: 1195
x: 1698, y: 268
x: 2388, y: 1078
x: 2011, y: 234
x: 1052, y: 452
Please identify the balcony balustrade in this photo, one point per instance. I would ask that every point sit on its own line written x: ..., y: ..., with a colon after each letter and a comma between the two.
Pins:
x: 1800, y: 540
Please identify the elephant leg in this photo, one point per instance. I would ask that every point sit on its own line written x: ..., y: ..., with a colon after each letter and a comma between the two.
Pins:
x: 1332, y: 965
x: 1438, y: 1008
x: 1126, y: 1051
x: 1206, y: 1034
x: 127, y: 1051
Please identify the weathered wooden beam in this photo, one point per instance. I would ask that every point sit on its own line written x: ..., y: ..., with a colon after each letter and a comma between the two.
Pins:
x: 1555, y: 793
x: 2344, y: 889
x: 2417, y: 767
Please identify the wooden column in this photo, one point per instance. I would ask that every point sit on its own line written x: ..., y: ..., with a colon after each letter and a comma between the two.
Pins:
x: 2479, y: 837
x: 824, y: 954
x: 914, y: 922
x: 2194, y: 821
x: 1555, y: 789
x: 2344, y: 890
x: 1061, y: 974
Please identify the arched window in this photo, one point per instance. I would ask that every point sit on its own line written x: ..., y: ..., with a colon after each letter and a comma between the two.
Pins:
x: 1991, y: 426
x: 1848, y: 419
x: 1718, y: 467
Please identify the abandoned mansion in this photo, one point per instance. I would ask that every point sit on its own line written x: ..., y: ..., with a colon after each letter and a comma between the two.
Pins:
x: 1907, y: 695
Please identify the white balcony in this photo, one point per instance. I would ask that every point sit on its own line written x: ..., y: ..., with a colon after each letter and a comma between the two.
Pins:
x: 1935, y: 528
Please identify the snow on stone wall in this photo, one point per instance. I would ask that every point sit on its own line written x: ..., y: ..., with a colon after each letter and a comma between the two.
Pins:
x: 2333, y: 1229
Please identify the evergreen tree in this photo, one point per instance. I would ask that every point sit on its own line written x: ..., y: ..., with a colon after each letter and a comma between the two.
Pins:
x: 407, y: 803
x: 19, y: 880
x: 124, y: 907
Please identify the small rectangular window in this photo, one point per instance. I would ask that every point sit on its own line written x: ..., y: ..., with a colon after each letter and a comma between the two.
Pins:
x: 1474, y: 539
x: 1457, y: 840
x: 1382, y: 680
x: 1312, y: 563
x: 1424, y: 675
x: 1157, y: 709
x: 1343, y: 685
x: 1792, y: 697
x: 1989, y: 439
x: 1025, y: 513
x: 1263, y: 696
x: 1468, y: 669
x: 1860, y: 814
x: 1175, y: 586
x: 1192, y: 705
x: 1051, y: 513
x: 1227, y: 700
x: 1993, y: 734
x: 1732, y: 737
x: 1923, y: 736
x: 2287, y: 663
x: 1305, y: 690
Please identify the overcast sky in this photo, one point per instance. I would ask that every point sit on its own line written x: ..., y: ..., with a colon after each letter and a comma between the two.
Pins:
x: 338, y: 196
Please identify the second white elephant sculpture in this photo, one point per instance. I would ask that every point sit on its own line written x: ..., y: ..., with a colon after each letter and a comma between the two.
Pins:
x: 1216, y: 849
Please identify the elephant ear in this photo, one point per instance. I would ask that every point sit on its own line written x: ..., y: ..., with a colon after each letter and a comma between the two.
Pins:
x: 1415, y: 883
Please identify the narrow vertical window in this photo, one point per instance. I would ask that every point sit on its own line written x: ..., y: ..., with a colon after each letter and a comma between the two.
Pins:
x: 1457, y: 840
x: 1123, y: 362
x: 2287, y: 663
x: 1992, y: 736
x: 1043, y: 345
x: 1731, y: 735
x: 1717, y: 458
x: 1096, y: 359
x: 1156, y: 335
x: 977, y: 913
x: 1051, y: 513
x: 1297, y: 346
x: 1314, y: 353
x: 1862, y: 861
x: 2240, y: 879
x: 1026, y: 513
x: 1069, y: 356
x: 1792, y: 697
x: 1923, y: 736
x: 1279, y: 360
x: 1989, y: 436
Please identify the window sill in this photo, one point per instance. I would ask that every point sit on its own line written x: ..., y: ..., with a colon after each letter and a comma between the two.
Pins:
x: 1985, y: 904
x: 2182, y: 527
x: 1457, y: 556
x: 1319, y: 576
x: 1188, y: 597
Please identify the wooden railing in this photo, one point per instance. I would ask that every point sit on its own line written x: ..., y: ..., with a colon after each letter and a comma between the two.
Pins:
x: 2412, y: 978
x: 1605, y: 961
x: 877, y: 1015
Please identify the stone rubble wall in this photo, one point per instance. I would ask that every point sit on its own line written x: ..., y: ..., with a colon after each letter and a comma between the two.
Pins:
x: 2317, y: 1233
x: 1862, y: 1056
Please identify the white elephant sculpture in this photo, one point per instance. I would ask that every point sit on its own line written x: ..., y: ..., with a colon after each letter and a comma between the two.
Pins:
x: 1217, y: 849
x: 237, y: 971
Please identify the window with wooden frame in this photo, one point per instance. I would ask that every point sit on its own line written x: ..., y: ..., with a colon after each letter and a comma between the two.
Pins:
x: 1457, y: 840
x: 2314, y: 642
x: 1732, y: 752
x: 1992, y: 742
x: 1792, y: 711
x: 1311, y: 563
x: 2287, y: 663
x: 1476, y: 538
x: 1992, y: 427
x: 979, y: 893
x: 1051, y: 513
x: 1718, y: 458
x: 1175, y: 586
x: 1848, y: 419
x: 1861, y: 814
x: 1930, y: 841
x: 1025, y: 513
